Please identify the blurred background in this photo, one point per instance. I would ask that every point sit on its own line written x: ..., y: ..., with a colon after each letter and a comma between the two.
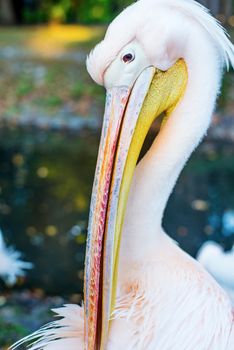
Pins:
x: 50, y: 120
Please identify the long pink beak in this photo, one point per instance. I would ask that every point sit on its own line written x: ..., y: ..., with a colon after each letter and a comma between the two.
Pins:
x: 116, y: 101
x: 123, y: 106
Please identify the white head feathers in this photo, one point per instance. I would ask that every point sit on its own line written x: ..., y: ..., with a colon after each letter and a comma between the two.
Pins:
x: 163, y: 28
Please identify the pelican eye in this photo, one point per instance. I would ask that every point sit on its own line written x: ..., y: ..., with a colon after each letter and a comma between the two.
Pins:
x: 128, y: 57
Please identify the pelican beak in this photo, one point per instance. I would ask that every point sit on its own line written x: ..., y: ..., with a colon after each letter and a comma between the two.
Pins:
x: 129, y: 114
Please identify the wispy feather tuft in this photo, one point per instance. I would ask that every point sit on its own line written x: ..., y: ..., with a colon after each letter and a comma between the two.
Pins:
x: 11, y: 266
x: 202, y: 15
x: 65, y: 333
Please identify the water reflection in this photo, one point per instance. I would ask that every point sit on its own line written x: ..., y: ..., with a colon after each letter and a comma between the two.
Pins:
x: 45, y: 181
x: 203, y: 197
x: 45, y: 185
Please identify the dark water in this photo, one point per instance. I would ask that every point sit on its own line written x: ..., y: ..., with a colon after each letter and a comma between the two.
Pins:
x: 45, y: 186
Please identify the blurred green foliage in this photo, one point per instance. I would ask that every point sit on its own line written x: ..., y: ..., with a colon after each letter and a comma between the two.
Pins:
x: 70, y: 11
x: 10, y: 333
x: 24, y: 86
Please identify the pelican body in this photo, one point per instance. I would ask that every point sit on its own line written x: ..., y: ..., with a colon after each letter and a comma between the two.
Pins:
x: 141, y: 290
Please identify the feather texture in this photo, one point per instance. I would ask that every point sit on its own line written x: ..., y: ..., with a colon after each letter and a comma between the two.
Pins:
x: 161, y: 302
x: 11, y: 264
x: 65, y: 333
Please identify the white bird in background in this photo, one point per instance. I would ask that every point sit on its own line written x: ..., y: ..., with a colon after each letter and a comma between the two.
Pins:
x: 141, y: 290
x: 11, y: 266
x: 219, y: 263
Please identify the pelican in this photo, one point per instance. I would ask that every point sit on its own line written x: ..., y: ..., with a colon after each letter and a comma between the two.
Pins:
x: 11, y: 266
x: 219, y: 263
x: 141, y: 291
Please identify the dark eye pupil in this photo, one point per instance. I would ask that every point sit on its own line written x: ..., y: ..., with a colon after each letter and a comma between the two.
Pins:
x: 128, y: 57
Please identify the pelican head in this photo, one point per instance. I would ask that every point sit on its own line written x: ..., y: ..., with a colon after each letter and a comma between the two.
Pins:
x: 144, y: 63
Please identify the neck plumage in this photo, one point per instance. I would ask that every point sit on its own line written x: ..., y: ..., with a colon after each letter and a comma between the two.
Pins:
x: 157, y: 173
